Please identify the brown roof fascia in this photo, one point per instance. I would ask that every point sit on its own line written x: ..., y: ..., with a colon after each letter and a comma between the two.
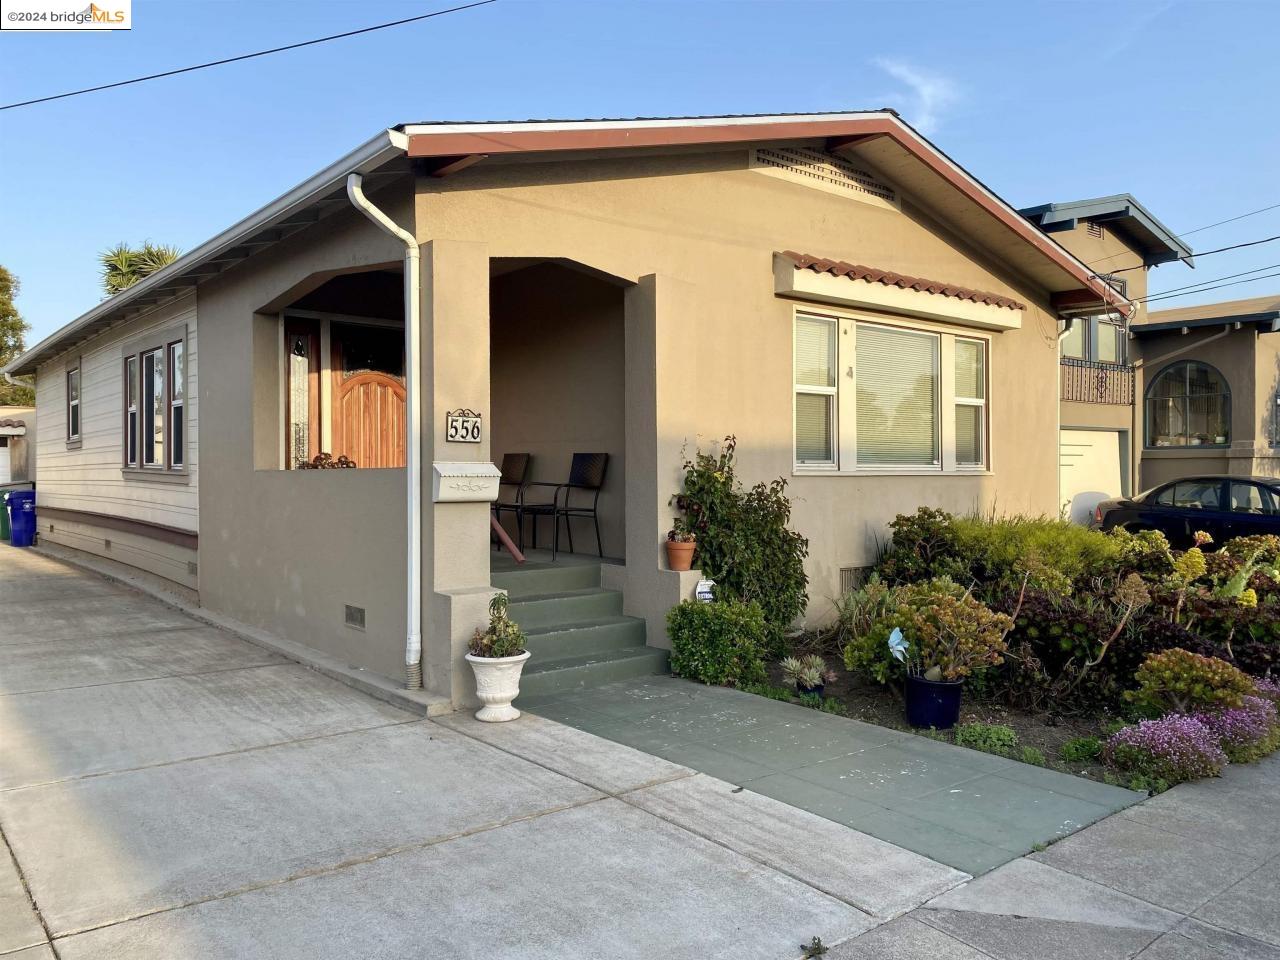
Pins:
x: 845, y: 132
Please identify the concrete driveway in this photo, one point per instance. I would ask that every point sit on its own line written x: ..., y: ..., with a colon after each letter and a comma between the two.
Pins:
x: 168, y: 790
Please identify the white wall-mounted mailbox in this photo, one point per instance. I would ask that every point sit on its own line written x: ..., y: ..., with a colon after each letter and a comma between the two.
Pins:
x: 464, y: 481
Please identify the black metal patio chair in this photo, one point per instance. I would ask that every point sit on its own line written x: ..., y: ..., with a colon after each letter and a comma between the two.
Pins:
x: 515, y: 474
x: 586, y: 477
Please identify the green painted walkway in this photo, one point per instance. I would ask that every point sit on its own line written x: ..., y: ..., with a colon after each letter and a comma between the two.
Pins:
x: 970, y: 810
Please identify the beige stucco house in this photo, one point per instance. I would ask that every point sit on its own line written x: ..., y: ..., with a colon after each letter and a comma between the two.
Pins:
x: 869, y: 320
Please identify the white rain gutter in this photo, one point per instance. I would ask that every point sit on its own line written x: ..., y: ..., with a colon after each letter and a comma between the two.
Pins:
x: 413, y: 420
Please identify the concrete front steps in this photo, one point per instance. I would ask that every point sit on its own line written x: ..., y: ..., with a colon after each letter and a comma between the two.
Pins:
x: 577, y: 632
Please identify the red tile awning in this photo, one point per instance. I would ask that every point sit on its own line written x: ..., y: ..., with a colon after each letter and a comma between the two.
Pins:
x: 855, y: 271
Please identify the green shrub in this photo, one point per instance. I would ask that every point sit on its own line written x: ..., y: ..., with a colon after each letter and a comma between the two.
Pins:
x: 999, y: 553
x: 987, y: 737
x: 744, y: 543
x: 719, y: 643
x: 1081, y: 749
x: 502, y: 638
x: 945, y: 627
x: 1032, y: 756
x: 1179, y: 681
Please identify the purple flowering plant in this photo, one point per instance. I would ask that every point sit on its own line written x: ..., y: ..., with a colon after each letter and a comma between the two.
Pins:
x: 1175, y: 748
x: 1246, y: 733
x: 1268, y: 688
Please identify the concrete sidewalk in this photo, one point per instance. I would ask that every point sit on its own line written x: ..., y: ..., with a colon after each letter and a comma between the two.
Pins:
x: 1193, y: 874
x: 170, y: 791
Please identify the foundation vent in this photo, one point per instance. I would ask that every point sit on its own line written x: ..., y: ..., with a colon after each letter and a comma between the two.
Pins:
x: 824, y: 171
x: 192, y: 568
x: 355, y: 616
x: 852, y: 578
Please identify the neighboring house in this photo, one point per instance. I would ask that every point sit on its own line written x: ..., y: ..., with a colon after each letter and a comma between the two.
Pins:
x: 1210, y: 387
x: 17, y: 434
x: 1120, y: 240
x: 870, y: 321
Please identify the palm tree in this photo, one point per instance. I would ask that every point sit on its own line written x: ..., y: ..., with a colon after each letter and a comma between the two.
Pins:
x: 123, y: 265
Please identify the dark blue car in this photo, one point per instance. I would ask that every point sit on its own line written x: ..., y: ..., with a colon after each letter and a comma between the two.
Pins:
x: 1223, y: 507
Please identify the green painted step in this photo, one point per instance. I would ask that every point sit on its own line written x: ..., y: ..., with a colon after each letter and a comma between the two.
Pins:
x: 578, y: 673
x: 567, y: 606
x: 544, y: 578
x: 564, y: 640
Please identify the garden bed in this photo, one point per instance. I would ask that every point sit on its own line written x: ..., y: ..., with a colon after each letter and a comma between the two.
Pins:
x: 870, y: 702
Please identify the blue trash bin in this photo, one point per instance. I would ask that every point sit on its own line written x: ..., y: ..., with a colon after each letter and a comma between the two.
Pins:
x: 22, y: 517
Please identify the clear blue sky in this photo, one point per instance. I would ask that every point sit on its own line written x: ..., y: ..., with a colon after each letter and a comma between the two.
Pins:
x: 1176, y: 103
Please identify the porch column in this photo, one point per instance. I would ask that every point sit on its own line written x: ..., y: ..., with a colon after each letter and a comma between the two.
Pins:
x: 661, y: 425
x: 455, y: 536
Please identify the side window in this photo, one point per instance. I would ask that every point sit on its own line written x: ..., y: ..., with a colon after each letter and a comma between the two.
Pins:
x: 73, y: 404
x: 1197, y: 494
x: 1165, y: 497
x: 1251, y: 498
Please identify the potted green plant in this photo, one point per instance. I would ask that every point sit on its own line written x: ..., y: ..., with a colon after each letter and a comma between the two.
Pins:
x: 497, y: 657
x: 807, y: 673
x: 939, y: 639
x: 681, y: 542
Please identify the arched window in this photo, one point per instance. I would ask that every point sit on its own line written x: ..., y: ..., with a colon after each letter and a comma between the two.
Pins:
x: 1188, y: 405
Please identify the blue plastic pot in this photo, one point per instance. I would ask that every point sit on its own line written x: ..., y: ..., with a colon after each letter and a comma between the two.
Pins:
x: 933, y: 703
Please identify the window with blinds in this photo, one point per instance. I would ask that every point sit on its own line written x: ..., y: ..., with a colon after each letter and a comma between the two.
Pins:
x: 971, y: 402
x: 897, y: 397
x: 913, y: 399
x: 815, y: 390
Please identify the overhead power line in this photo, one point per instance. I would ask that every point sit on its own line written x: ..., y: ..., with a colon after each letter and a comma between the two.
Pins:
x: 1179, y: 236
x: 1207, y: 253
x: 1191, y: 286
x: 246, y: 56
x: 1233, y: 283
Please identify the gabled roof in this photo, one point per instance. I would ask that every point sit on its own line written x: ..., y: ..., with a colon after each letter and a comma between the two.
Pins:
x: 880, y: 138
x: 1124, y: 214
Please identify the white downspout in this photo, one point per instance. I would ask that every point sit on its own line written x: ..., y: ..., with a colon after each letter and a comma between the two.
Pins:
x: 413, y: 423
x: 1068, y: 323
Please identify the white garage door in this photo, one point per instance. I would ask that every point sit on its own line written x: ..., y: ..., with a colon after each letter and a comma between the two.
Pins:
x: 1089, y: 470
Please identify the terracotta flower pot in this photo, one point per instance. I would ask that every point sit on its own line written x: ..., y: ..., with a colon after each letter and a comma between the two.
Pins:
x: 680, y: 555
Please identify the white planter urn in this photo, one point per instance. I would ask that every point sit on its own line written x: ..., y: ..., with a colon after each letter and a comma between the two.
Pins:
x: 497, y: 684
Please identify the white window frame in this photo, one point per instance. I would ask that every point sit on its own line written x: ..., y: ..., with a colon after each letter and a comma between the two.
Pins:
x: 845, y: 426
x: 74, y: 405
x: 132, y: 415
x: 832, y: 393
x: 175, y: 406
x: 147, y: 426
x: 984, y: 424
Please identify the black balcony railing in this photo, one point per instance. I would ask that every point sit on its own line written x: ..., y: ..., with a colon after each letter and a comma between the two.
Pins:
x: 1088, y: 381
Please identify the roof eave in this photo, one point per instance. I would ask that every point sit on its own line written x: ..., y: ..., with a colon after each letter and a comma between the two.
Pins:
x: 385, y: 146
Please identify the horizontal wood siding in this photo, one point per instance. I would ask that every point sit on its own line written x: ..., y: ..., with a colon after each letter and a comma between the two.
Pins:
x: 89, y: 477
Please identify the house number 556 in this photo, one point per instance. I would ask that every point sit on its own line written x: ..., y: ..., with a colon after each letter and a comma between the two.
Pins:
x: 462, y: 426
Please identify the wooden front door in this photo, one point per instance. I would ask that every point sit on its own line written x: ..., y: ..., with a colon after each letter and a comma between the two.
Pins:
x: 368, y: 394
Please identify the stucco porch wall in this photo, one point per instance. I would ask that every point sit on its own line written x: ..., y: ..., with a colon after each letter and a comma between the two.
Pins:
x: 287, y: 550
x: 713, y: 346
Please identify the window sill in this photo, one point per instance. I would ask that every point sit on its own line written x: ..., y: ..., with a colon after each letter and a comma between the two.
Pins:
x: 156, y: 475
x: 1180, y: 453
x: 75, y: 444
x: 891, y: 472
